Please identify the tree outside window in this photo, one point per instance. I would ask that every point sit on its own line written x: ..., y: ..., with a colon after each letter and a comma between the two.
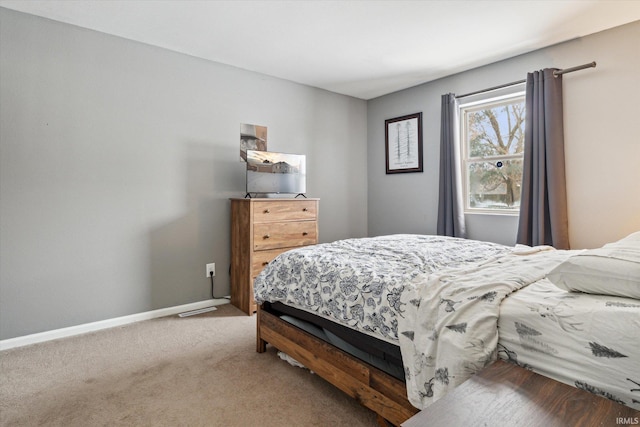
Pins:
x: 493, y: 144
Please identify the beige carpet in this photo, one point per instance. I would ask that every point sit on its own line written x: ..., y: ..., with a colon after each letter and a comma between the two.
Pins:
x: 193, y: 371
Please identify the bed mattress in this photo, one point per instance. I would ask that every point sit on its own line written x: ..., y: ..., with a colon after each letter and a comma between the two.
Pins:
x: 381, y: 354
x: 358, y: 282
x: 587, y: 341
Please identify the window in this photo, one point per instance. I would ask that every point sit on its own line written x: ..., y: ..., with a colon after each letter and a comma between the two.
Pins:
x: 492, y: 138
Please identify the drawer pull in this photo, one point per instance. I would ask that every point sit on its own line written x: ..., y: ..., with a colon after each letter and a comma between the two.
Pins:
x: 265, y: 263
x: 305, y: 210
x: 304, y: 233
x: 267, y: 211
x: 266, y: 236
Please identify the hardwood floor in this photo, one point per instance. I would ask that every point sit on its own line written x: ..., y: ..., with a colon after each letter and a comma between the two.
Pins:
x: 504, y: 394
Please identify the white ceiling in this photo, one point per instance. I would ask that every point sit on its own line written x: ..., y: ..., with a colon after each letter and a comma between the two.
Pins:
x: 359, y: 48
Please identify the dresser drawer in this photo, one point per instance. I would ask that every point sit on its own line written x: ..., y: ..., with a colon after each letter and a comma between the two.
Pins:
x: 262, y: 258
x: 284, y: 234
x: 285, y: 211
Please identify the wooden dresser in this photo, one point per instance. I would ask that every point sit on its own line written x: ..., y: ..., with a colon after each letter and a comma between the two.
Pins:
x: 261, y: 229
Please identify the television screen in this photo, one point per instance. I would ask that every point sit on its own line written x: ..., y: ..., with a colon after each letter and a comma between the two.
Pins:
x: 270, y: 172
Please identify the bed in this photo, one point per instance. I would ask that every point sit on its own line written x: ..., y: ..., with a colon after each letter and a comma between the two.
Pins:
x: 398, y: 321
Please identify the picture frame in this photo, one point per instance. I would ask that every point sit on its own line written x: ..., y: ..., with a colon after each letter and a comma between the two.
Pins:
x: 403, y: 144
x: 252, y: 137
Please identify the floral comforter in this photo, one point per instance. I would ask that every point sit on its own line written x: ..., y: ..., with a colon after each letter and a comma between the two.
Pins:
x: 358, y: 282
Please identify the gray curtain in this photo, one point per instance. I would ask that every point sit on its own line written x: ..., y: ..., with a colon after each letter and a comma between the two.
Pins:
x: 450, y: 209
x: 543, y: 206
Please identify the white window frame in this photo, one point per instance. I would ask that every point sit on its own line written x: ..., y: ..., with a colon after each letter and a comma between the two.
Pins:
x: 479, y: 104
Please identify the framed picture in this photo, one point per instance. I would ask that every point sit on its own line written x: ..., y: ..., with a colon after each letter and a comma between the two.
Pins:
x: 252, y: 137
x: 403, y: 143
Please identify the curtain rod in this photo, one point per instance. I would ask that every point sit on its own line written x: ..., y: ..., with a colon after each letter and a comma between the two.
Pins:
x: 555, y: 74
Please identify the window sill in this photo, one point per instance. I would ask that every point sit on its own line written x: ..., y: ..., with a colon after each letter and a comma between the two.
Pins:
x: 493, y: 213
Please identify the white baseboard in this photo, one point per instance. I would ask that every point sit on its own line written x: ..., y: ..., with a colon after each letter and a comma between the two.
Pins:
x: 104, y: 324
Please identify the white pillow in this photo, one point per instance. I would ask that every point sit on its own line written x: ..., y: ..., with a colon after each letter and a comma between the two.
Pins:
x: 613, y: 269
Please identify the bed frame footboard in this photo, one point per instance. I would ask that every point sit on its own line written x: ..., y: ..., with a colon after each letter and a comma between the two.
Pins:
x: 377, y: 390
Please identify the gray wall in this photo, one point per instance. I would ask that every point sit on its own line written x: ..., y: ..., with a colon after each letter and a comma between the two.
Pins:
x: 601, y: 143
x: 117, y: 162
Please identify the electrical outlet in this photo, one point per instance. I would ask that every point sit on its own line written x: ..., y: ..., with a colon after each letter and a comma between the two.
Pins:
x: 211, y: 268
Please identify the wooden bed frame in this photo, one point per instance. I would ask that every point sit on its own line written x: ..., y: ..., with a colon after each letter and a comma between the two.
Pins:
x: 371, y: 387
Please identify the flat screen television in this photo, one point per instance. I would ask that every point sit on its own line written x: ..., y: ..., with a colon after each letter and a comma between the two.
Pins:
x: 269, y: 172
